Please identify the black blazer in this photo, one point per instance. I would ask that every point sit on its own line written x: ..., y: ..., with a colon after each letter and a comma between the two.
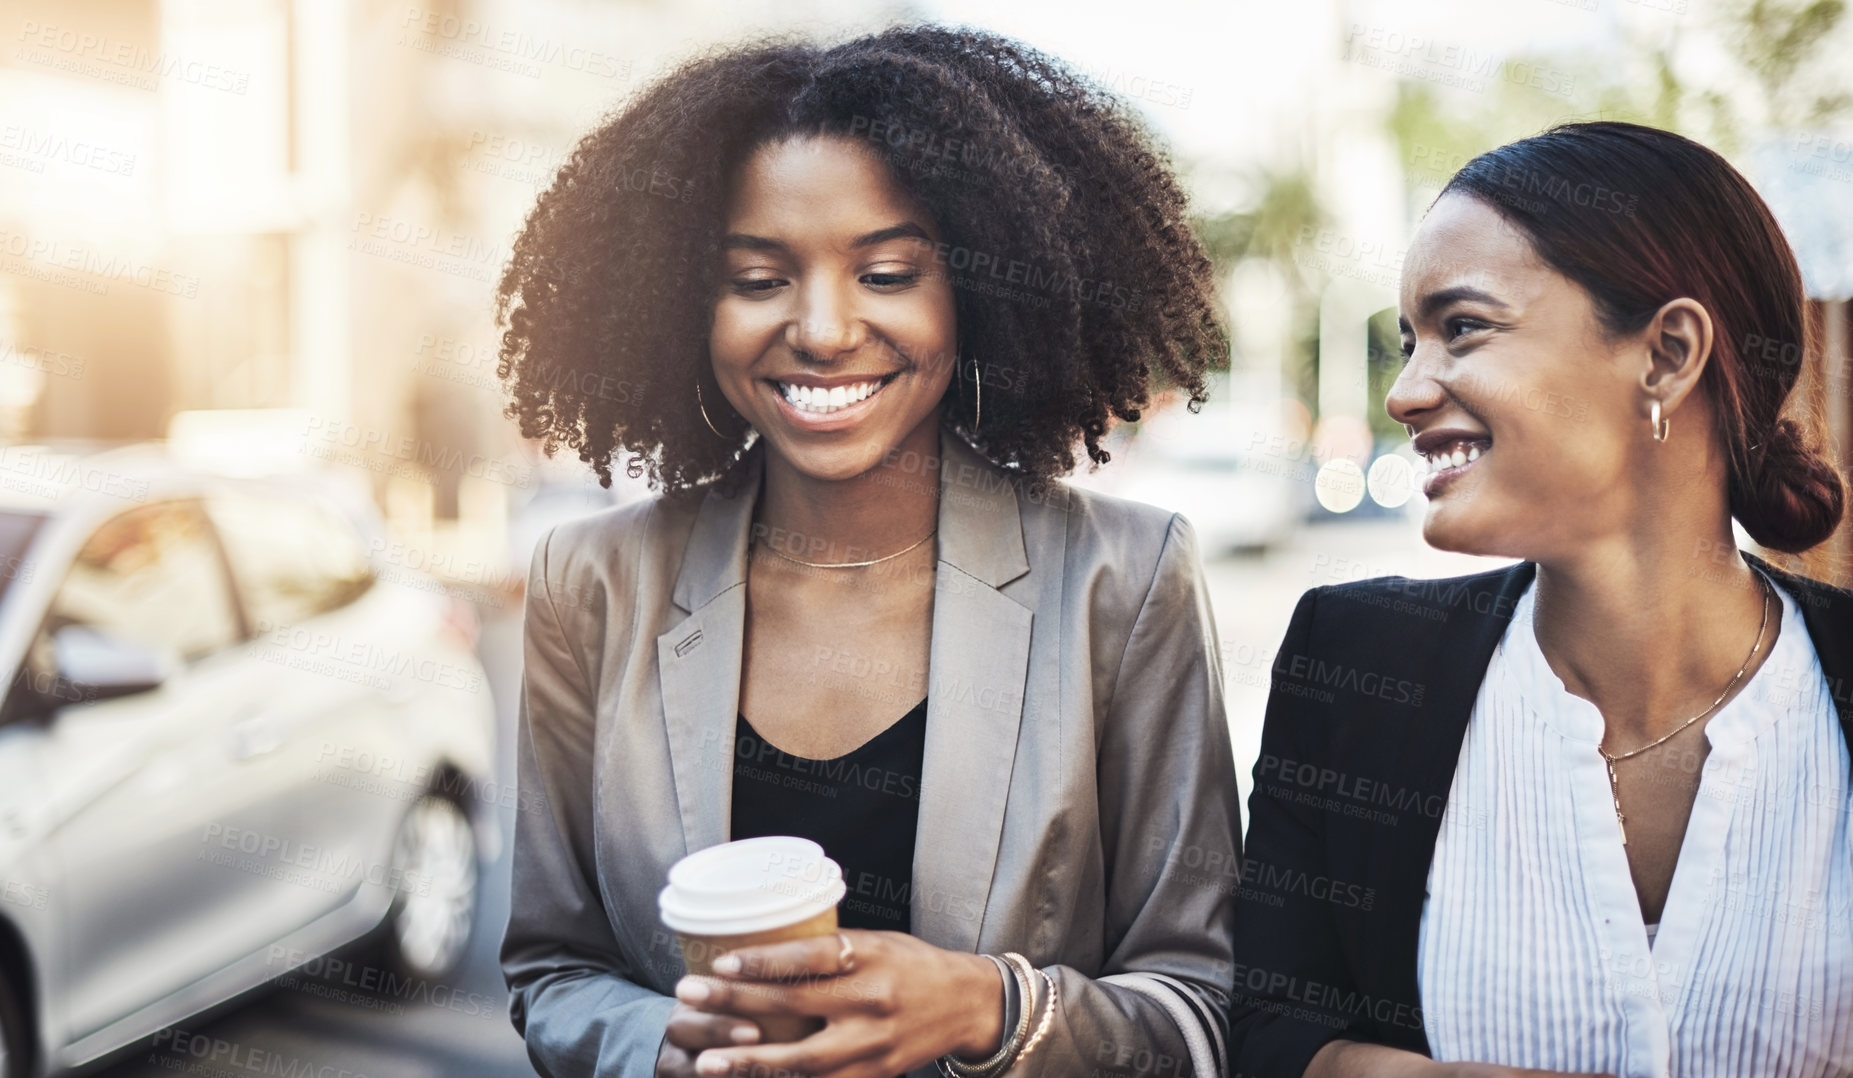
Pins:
x: 1372, y: 690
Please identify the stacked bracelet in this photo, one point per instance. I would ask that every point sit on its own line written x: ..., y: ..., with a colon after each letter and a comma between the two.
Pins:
x: 1014, y: 1004
x: 1024, y: 969
x: 1017, y: 984
x: 1020, y: 1041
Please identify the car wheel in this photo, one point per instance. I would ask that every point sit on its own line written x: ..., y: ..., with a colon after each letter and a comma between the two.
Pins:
x: 12, y: 1034
x: 427, y: 930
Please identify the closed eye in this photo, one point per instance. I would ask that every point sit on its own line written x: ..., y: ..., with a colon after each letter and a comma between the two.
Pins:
x: 757, y: 285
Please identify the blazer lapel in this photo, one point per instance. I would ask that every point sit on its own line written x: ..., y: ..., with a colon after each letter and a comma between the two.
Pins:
x: 1827, y: 611
x: 698, y: 660
x: 1452, y: 663
x: 978, y: 667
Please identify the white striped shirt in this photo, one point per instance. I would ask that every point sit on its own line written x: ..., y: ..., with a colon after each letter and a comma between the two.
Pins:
x: 1532, y: 951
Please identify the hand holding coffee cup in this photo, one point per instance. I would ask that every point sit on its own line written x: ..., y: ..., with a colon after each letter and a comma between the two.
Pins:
x: 754, y: 891
x: 757, y: 922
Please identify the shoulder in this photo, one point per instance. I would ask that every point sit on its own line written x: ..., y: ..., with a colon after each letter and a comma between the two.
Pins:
x: 1818, y: 596
x: 1054, y: 513
x: 621, y: 525
x: 1827, y: 613
x: 1120, y: 569
x: 1095, y: 526
x: 616, y: 550
x: 1392, y: 613
x: 569, y: 546
x: 1368, y: 665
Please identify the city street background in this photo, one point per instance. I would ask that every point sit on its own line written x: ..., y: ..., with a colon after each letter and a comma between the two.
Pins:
x: 264, y: 235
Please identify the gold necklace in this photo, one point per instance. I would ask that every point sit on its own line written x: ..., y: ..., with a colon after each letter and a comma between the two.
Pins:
x: 1614, y: 785
x: 846, y: 564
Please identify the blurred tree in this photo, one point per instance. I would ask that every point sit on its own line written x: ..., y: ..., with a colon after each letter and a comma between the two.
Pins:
x: 1286, y: 208
x: 1779, y: 43
x: 1789, y: 75
x: 1383, y: 362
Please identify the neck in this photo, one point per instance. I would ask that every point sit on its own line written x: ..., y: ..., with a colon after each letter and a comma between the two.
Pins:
x: 861, y: 518
x: 1652, y: 625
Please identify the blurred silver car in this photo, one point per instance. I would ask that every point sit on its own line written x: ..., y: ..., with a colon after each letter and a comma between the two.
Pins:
x: 1229, y: 470
x: 228, y: 746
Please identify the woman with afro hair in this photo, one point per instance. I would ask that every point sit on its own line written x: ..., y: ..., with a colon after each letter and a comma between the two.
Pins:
x: 853, y: 310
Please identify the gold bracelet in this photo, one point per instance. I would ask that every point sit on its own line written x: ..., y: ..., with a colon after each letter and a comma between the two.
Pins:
x: 1048, y: 1004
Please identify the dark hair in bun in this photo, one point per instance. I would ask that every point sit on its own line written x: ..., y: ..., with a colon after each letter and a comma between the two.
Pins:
x: 1638, y: 217
x: 1793, y: 497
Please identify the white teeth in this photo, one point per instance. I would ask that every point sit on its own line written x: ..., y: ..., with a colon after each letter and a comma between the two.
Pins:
x: 1452, y: 456
x: 824, y: 401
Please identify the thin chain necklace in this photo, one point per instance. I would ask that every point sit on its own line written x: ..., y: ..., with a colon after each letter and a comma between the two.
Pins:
x: 847, y: 564
x: 1614, y: 785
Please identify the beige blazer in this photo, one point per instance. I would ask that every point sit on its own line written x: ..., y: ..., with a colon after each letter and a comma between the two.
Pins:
x: 1078, y: 802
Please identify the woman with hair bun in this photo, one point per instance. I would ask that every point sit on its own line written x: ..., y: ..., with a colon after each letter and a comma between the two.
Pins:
x: 1604, y: 825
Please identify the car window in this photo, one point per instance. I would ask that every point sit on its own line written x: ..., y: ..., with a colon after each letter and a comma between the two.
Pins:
x: 17, y: 531
x: 292, y: 558
x: 152, y: 575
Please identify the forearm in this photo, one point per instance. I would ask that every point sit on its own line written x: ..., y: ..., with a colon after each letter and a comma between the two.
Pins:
x: 1102, y: 1028
x: 581, y: 1023
x: 1356, y: 1059
x: 982, y: 1031
x: 1171, y: 826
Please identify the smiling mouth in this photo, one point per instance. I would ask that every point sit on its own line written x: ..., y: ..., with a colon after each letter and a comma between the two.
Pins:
x: 818, y: 400
x: 1456, y: 455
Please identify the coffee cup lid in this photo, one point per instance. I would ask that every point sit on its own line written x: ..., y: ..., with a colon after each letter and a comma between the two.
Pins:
x: 753, y: 885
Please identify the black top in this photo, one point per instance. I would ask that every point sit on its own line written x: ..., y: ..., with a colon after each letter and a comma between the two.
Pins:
x: 1372, y: 691
x: 861, y: 807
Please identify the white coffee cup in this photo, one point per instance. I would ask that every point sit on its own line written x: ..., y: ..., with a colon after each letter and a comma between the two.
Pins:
x: 749, y: 892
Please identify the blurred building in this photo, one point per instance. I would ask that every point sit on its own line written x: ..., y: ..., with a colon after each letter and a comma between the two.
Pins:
x: 303, y: 206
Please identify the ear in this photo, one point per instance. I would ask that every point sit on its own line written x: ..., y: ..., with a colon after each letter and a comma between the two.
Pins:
x: 1678, y: 340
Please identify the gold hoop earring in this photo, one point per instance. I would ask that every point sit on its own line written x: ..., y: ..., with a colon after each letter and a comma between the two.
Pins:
x: 958, y: 375
x: 978, y: 395
x: 704, y: 411
x: 1661, y: 427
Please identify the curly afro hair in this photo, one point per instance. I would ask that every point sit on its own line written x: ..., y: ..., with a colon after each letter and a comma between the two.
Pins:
x: 1078, y: 279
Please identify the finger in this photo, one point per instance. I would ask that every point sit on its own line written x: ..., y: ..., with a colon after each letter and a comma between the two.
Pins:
x: 827, y: 1051
x: 695, y: 1030
x: 673, y: 1062
x: 873, y: 1067
x: 826, y: 997
x: 814, y: 956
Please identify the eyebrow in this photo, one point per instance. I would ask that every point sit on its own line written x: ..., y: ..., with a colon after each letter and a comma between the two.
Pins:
x: 740, y: 241
x: 1435, y: 301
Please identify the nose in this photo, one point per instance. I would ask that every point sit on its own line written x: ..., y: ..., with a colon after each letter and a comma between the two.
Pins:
x: 825, y: 324
x: 1416, y: 391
